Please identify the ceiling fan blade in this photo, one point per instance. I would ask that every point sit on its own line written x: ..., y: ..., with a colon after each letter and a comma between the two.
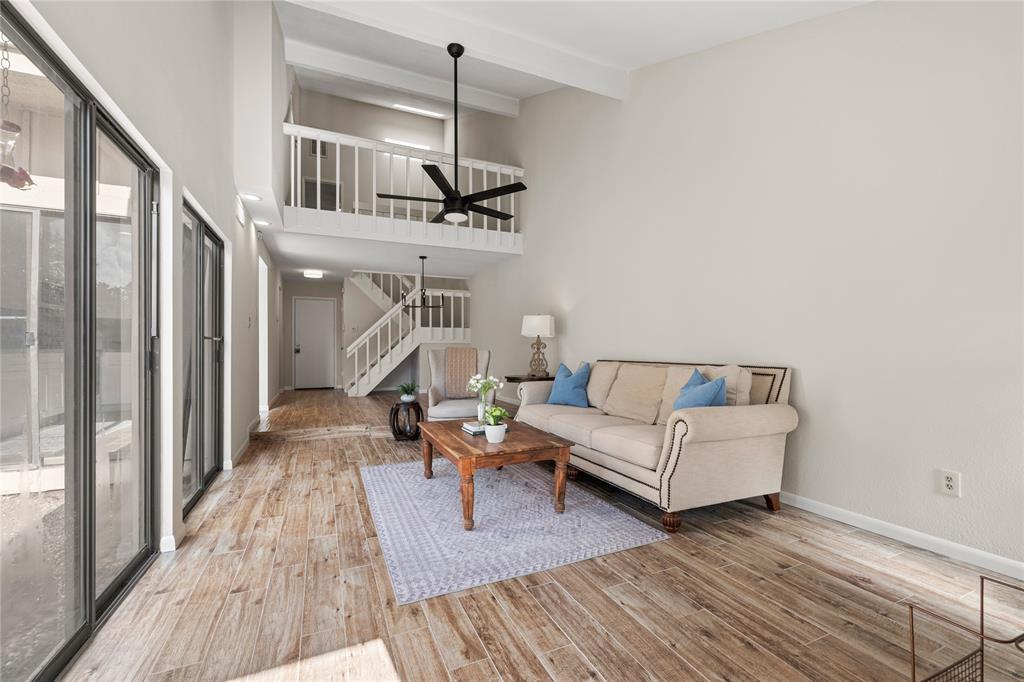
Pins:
x: 483, y: 210
x: 485, y: 194
x: 381, y: 195
x: 440, y: 180
x: 439, y: 218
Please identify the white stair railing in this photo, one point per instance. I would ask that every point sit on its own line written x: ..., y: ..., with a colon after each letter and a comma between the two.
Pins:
x: 390, y: 284
x: 337, y: 172
x: 379, y: 350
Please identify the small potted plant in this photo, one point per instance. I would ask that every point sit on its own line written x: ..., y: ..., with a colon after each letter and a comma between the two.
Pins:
x: 482, y: 387
x: 408, y: 390
x: 494, y: 423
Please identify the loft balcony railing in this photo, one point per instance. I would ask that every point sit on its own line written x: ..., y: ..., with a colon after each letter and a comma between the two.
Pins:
x: 336, y: 172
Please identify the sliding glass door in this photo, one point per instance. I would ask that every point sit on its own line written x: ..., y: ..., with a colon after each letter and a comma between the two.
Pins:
x: 202, y: 285
x: 75, y: 418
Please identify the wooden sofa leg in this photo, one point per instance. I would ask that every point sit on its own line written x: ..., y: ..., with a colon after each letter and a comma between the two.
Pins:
x: 671, y: 521
x: 573, y: 473
x: 772, y: 502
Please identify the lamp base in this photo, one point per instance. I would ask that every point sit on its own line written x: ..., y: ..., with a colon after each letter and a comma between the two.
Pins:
x: 538, y: 363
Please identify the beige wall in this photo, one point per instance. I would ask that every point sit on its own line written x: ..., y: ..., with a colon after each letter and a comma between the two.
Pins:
x: 303, y: 287
x: 842, y: 196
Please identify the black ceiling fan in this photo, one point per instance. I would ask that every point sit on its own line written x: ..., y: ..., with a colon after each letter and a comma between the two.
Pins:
x: 455, y: 205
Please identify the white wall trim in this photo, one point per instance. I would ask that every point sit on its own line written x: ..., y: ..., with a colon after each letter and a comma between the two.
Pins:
x: 168, y: 543
x: 955, y: 550
x: 236, y: 457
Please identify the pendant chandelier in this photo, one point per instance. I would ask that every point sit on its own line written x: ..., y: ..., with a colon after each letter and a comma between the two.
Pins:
x: 424, y: 303
x: 11, y: 173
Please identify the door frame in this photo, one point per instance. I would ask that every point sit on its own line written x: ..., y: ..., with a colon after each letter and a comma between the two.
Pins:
x: 334, y: 338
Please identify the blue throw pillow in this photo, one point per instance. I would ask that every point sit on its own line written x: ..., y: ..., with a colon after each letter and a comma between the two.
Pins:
x: 569, y: 388
x: 699, y: 392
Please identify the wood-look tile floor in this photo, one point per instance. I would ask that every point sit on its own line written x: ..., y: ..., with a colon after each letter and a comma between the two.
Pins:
x: 280, y: 576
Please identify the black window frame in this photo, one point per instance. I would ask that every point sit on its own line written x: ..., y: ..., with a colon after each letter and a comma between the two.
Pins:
x: 80, y: 224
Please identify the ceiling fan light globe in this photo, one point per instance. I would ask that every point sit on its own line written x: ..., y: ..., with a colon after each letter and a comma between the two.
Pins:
x: 456, y: 216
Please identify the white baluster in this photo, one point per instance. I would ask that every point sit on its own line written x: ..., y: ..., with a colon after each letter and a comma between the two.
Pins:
x: 373, y: 200
x: 316, y: 142
x: 470, y: 191
x: 391, y: 182
x: 301, y: 186
x: 485, y: 203
x: 291, y: 145
x: 462, y: 312
x: 337, y: 176
x: 512, y: 210
x: 408, y: 204
x: 355, y: 201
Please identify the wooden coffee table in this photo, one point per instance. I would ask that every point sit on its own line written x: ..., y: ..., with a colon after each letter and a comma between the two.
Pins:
x: 523, y: 443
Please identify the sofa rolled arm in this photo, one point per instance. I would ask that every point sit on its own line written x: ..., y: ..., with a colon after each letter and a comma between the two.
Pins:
x: 533, y: 392
x: 705, y: 424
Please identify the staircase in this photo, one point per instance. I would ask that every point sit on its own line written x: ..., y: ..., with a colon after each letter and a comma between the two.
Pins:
x: 399, y: 332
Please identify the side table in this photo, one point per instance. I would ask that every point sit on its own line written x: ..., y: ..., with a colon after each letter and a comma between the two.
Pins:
x: 405, y: 420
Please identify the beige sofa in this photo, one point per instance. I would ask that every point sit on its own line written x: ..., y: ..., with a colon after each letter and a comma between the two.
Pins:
x: 677, y: 459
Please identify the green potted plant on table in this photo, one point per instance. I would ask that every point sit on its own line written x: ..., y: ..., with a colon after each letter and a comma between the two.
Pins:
x: 483, y: 388
x: 494, y: 423
x: 408, y: 390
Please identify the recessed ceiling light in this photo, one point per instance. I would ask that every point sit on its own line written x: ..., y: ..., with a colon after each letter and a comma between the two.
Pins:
x: 313, y: 274
x: 250, y: 196
x: 261, y: 223
x: 391, y: 140
x: 416, y: 110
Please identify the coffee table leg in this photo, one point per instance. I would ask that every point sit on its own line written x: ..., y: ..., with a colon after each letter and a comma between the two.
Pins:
x: 428, y: 459
x: 467, y: 501
x: 560, y: 476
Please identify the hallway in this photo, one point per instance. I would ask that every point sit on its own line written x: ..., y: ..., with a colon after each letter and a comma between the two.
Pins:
x: 280, y: 577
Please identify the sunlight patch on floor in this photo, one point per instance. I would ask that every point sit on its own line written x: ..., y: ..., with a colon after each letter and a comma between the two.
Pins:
x: 366, y: 661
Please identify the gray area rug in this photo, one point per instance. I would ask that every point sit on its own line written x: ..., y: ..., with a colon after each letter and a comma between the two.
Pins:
x: 517, y: 532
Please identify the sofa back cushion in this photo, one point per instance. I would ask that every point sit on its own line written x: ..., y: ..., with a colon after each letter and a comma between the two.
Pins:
x: 602, y: 374
x: 636, y: 392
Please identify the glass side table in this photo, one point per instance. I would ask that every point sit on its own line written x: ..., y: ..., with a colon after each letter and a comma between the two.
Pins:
x: 405, y: 420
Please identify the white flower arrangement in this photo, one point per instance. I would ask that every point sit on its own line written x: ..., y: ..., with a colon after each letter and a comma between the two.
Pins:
x: 482, y: 386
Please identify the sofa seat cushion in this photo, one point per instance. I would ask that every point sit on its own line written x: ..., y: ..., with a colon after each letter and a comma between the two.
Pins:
x: 640, y: 445
x: 579, y: 427
x: 461, y: 408
x: 538, y: 414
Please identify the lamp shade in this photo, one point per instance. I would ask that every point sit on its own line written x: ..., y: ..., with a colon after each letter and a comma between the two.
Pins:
x: 539, y: 325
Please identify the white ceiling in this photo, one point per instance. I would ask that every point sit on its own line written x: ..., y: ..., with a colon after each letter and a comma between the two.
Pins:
x: 629, y: 35
x: 374, y: 51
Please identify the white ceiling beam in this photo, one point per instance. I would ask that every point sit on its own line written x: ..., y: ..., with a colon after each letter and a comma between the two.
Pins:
x: 339, y: 64
x: 486, y: 43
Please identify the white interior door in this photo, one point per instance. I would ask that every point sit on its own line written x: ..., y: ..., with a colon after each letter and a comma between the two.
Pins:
x: 313, y: 346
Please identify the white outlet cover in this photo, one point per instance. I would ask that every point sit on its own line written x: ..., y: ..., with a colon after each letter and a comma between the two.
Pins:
x: 948, y: 483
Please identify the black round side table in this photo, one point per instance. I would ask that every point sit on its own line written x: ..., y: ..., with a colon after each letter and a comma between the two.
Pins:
x: 405, y: 420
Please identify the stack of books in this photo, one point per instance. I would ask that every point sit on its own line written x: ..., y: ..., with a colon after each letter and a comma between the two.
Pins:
x: 473, y: 428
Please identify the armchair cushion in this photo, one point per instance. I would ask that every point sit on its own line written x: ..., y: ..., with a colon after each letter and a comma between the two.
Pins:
x: 458, y: 408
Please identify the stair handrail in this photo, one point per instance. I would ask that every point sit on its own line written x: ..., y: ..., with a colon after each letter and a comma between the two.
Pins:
x: 386, y: 318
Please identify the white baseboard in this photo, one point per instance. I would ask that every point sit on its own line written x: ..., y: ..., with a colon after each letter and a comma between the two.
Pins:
x: 230, y: 464
x: 287, y: 388
x: 168, y: 543
x: 932, y: 543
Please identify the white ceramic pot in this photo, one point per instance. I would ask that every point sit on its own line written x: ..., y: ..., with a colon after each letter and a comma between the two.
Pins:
x: 408, y: 398
x: 495, y: 434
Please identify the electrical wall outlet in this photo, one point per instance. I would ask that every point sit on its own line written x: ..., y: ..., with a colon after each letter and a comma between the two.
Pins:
x: 949, y: 482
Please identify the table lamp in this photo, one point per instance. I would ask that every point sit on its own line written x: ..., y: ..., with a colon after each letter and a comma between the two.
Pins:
x: 539, y: 326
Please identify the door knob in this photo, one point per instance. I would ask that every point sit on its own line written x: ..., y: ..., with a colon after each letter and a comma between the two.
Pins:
x: 298, y: 349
